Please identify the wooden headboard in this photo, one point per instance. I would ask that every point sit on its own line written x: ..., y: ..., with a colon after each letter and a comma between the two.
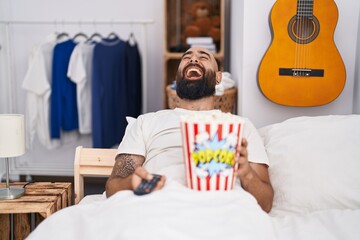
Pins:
x: 91, y: 162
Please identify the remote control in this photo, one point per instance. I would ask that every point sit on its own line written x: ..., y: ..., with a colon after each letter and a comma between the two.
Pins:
x: 146, y: 187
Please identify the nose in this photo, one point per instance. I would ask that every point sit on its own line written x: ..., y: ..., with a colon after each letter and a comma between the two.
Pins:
x: 193, y: 60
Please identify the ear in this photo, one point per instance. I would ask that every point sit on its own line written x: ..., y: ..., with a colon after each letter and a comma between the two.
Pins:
x: 218, y: 77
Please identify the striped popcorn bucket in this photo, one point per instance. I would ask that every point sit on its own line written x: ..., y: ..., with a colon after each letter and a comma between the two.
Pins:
x: 209, y: 147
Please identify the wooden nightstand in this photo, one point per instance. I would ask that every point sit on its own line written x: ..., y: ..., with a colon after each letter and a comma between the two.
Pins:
x: 41, y: 199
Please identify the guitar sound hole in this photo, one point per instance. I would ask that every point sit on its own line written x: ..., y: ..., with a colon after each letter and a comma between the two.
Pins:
x: 303, y: 29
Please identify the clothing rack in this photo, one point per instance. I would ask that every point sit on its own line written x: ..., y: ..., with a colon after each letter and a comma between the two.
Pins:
x: 141, y: 22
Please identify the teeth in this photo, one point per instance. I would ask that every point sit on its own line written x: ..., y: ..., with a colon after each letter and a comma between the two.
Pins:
x: 195, y: 69
x: 193, y: 72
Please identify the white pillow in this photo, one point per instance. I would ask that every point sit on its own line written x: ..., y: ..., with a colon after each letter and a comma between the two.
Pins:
x: 130, y: 120
x: 314, y: 163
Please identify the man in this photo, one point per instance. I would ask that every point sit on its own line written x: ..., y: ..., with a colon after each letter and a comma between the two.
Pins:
x: 152, y: 142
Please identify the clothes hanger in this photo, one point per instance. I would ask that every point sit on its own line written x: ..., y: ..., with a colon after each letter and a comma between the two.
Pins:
x: 81, y: 34
x: 132, y: 39
x: 94, y: 35
x: 112, y: 35
x: 61, y: 35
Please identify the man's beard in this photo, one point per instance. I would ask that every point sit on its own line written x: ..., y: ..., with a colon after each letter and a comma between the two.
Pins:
x: 195, y: 89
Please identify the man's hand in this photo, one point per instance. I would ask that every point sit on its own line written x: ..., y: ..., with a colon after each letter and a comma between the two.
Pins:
x: 241, y: 159
x: 140, y: 174
x: 254, y: 177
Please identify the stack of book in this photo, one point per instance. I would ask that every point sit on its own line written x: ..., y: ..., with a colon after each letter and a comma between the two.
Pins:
x: 205, y: 42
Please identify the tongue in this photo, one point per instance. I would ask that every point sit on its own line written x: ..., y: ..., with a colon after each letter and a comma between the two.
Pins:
x: 193, y: 73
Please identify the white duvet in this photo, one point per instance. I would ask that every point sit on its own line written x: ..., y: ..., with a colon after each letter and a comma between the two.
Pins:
x: 334, y: 224
x: 176, y: 212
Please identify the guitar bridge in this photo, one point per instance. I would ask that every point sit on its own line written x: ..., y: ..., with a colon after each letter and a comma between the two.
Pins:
x: 301, y: 72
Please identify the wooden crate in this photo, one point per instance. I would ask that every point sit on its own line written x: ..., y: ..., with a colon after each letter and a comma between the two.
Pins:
x: 41, y: 199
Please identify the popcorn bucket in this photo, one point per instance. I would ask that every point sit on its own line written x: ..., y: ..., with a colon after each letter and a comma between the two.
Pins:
x: 209, y: 147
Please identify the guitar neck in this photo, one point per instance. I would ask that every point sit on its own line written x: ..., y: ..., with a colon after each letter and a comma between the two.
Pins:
x: 305, y: 9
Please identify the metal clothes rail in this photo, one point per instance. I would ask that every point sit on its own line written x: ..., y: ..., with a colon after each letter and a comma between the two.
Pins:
x: 87, y: 22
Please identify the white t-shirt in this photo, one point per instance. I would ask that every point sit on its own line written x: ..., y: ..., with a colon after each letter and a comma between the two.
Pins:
x: 80, y: 72
x: 157, y: 137
x: 37, y: 83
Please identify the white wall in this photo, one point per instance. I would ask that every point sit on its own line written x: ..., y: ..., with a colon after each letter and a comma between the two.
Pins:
x: 250, y: 39
x: 14, y: 57
x: 4, y: 86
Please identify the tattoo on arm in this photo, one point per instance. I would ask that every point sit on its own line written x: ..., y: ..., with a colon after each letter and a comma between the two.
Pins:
x: 125, y: 165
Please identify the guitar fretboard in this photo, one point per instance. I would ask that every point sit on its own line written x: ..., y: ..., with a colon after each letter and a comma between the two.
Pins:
x: 305, y: 9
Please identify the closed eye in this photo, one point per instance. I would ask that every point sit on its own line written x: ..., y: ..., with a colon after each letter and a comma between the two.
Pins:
x: 205, y: 54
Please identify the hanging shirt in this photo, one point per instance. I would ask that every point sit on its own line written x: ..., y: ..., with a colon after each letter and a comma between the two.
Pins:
x: 109, y: 103
x: 80, y: 72
x: 134, y: 79
x: 37, y: 83
x: 63, y: 112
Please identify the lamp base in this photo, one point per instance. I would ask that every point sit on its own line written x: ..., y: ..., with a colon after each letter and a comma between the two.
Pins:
x: 11, y: 193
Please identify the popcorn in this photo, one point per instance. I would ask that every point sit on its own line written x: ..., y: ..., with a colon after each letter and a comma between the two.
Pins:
x: 209, y: 146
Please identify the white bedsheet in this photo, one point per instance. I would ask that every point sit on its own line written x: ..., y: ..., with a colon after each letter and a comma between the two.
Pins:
x: 332, y: 224
x: 175, y: 212
x: 179, y: 213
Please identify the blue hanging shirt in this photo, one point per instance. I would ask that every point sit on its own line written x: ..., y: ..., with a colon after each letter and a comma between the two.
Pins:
x: 63, y: 107
x: 109, y: 97
x: 134, y: 80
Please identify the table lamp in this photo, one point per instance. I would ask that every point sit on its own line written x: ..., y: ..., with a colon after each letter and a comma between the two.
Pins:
x: 12, y: 144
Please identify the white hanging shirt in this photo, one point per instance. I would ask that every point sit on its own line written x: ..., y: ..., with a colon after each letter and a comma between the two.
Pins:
x: 37, y: 83
x: 80, y: 72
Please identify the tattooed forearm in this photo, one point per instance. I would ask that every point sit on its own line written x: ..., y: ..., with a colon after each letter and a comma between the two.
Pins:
x: 125, y: 165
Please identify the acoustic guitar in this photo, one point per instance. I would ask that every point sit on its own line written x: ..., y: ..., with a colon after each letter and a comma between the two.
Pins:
x: 302, y: 66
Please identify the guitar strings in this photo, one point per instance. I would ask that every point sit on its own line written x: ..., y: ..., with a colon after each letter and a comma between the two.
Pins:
x: 298, y: 36
x: 301, y: 34
x: 312, y: 30
x: 303, y: 29
x: 306, y: 37
x: 308, y: 32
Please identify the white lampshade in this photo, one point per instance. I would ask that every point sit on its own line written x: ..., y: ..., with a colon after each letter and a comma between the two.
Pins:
x: 12, y: 135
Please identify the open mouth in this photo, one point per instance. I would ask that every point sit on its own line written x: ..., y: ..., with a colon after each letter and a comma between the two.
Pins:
x: 193, y: 72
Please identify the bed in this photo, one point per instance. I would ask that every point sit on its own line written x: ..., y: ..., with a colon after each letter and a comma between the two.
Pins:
x: 314, y: 170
